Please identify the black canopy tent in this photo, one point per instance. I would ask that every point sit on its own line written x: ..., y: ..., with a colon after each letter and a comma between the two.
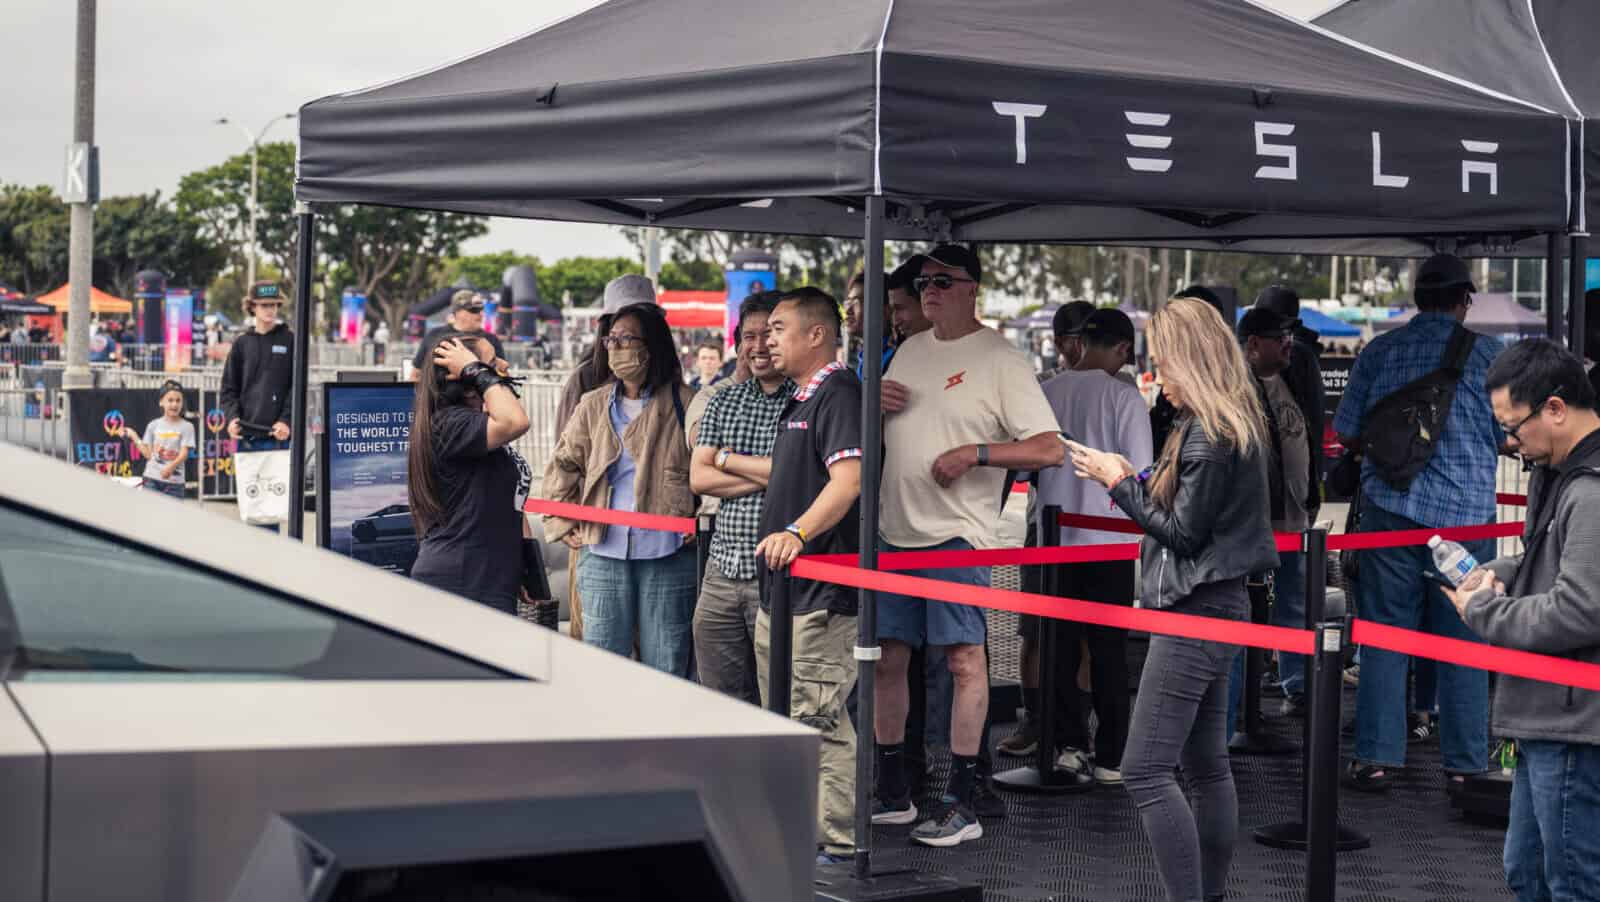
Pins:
x: 1201, y: 123
x: 1541, y: 50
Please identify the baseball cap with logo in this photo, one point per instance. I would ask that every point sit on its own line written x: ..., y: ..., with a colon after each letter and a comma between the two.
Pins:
x: 265, y: 291
x: 959, y: 257
x: 1108, y: 323
x: 465, y: 299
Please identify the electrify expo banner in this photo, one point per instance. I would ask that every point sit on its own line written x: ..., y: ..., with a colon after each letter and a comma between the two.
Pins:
x: 96, y: 418
x: 179, y: 330
x: 365, y: 509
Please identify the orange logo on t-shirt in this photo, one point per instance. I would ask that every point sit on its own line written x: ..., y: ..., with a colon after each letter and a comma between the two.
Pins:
x: 954, y: 381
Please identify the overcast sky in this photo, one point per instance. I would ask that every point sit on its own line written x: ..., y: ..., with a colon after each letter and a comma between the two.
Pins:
x: 168, y: 69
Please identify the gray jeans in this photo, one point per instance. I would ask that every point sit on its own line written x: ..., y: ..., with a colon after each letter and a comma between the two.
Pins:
x: 724, y: 634
x: 1180, y: 718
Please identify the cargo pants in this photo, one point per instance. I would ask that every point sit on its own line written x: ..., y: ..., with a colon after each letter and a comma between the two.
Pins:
x: 824, y: 671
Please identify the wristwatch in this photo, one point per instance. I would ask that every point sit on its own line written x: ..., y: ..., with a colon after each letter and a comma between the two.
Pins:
x: 722, y: 458
x: 795, y: 530
x: 983, y: 455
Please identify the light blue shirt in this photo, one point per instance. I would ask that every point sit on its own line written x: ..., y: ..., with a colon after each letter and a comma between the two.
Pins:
x: 625, y: 543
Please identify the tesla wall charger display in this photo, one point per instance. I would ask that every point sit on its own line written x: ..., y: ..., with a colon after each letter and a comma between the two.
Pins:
x: 363, y: 507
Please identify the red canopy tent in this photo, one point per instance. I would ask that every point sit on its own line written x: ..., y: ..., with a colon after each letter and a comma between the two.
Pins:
x: 694, y: 309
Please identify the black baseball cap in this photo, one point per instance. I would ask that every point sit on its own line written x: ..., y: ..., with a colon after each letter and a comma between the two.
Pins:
x: 1280, y: 300
x: 266, y: 291
x: 1444, y: 271
x: 1108, y: 323
x: 1263, y: 322
x: 957, y: 256
x: 1069, y: 318
x: 900, y: 278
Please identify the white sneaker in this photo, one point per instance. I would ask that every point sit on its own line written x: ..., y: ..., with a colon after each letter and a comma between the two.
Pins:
x: 1107, y: 776
x: 1073, y: 760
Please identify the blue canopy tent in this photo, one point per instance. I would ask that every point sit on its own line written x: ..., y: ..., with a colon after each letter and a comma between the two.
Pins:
x: 1318, y: 322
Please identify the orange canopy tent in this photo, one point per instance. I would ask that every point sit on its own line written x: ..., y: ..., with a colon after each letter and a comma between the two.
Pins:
x: 694, y: 309
x: 99, y: 301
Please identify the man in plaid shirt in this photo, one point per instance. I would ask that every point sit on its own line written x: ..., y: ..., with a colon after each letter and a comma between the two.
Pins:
x: 740, y: 423
x: 1455, y: 489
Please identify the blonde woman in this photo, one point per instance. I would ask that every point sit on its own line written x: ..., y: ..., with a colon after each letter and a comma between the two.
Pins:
x: 1204, y: 510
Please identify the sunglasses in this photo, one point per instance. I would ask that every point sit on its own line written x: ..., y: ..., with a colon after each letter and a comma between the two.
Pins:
x: 941, y: 281
x: 472, y: 308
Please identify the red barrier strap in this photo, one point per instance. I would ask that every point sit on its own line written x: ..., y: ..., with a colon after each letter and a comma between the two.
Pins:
x: 588, y: 514
x: 1509, y: 498
x: 1358, y: 541
x: 989, y: 557
x: 1547, y: 668
x: 1286, y: 541
x: 1166, y: 623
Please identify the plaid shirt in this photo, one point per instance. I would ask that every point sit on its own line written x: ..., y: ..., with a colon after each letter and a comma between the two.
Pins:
x: 745, y: 419
x: 1456, y: 488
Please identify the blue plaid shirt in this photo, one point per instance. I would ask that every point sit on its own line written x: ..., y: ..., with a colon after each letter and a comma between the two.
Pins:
x: 1457, y: 486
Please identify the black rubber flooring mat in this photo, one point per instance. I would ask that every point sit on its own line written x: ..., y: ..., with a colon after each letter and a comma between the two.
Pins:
x: 1090, y: 847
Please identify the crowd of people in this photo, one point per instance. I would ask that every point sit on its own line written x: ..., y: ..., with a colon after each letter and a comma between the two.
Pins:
x: 1230, y: 453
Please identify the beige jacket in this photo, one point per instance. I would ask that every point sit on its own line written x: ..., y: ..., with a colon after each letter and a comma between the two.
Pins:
x: 589, y: 446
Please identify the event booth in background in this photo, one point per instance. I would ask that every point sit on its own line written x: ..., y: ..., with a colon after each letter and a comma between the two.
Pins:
x: 1209, y: 124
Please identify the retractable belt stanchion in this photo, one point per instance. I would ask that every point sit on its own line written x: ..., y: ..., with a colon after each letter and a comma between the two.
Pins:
x: 1042, y: 775
x: 1322, y: 780
x: 1324, y: 689
x: 1253, y: 740
x: 780, y: 645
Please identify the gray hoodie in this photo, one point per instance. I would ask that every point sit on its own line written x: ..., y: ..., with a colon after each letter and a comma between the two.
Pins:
x: 1552, y: 601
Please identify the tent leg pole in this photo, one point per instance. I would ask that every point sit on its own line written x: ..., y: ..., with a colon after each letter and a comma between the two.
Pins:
x: 867, y: 651
x: 1552, y: 286
x: 305, y: 255
x: 1577, y: 282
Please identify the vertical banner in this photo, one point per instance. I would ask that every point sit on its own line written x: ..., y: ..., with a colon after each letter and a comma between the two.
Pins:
x: 179, y: 329
x: 1335, y: 376
x: 352, y: 316
x: 1591, y: 273
x: 216, y: 471
x: 363, y: 506
x: 746, y: 273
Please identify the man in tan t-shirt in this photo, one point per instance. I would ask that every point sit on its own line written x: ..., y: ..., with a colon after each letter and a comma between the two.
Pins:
x: 962, y: 409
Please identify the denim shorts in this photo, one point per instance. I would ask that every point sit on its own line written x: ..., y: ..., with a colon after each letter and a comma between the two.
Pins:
x: 918, y: 621
x: 171, y: 489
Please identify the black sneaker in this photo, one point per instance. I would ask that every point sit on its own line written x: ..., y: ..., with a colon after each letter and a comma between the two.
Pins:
x: 955, y: 826
x: 985, y: 803
x: 1422, y: 730
x: 899, y: 811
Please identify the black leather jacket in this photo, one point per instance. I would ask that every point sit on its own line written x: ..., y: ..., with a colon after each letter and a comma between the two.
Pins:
x: 1217, y: 527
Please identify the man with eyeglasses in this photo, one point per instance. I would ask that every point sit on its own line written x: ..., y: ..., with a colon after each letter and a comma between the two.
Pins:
x: 1456, y: 487
x: 1547, y: 600
x: 962, y: 409
x: 466, y: 315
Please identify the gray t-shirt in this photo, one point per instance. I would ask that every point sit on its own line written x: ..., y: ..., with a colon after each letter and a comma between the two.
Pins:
x: 169, y: 441
x: 1296, y: 454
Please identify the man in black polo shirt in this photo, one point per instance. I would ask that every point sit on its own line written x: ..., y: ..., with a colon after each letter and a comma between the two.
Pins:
x: 813, y: 489
x: 466, y: 316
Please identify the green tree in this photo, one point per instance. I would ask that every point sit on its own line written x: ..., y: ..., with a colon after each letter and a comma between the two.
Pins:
x: 143, y: 232
x: 33, y: 238
x: 582, y: 279
x: 486, y: 272
x: 393, y: 256
x: 217, y: 200
x: 691, y: 275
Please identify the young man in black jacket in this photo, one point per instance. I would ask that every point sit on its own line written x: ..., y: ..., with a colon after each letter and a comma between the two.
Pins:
x: 258, y: 374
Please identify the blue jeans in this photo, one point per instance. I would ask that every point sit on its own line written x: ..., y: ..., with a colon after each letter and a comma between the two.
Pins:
x: 1178, y: 720
x: 1288, y: 609
x: 1552, y: 847
x: 1392, y: 590
x: 654, y: 598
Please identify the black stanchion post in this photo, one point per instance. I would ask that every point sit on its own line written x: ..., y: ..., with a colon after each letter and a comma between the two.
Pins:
x: 1293, y: 834
x: 1253, y: 739
x: 1577, y: 280
x: 1552, y: 286
x: 780, y: 646
x: 704, y: 526
x: 1042, y: 775
x: 1322, y: 806
x: 299, y: 429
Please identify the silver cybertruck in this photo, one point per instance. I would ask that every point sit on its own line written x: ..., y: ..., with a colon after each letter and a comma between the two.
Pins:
x: 193, y: 709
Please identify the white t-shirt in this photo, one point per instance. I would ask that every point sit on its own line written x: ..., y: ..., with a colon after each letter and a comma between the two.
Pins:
x: 1102, y: 412
x: 977, y: 389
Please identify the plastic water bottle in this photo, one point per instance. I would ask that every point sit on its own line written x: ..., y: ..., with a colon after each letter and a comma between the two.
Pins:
x: 1455, y: 563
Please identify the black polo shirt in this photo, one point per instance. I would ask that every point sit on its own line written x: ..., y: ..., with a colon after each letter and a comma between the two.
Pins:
x: 820, y: 426
x: 446, y: 331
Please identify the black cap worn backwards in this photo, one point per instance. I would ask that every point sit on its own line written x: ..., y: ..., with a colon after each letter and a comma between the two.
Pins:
x: 1108, y: 323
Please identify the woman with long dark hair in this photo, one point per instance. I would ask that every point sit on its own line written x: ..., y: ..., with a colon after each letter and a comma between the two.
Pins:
x: 467, y: 485
x: 624, y: 449
x: 1204, y: 510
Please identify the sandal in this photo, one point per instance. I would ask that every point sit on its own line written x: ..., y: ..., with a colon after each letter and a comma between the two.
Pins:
x: 1368, y: 777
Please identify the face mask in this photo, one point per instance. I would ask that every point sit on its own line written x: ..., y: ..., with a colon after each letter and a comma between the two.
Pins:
x: 627, y: 364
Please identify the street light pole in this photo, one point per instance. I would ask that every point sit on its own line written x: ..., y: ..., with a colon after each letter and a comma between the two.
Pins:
x: 80, y: 247
x: 255, y: 170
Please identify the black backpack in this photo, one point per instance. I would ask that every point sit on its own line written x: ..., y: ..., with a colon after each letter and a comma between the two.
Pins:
x: 1401, y: 431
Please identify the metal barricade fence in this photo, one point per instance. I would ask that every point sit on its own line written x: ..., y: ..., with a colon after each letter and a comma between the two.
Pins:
x: 30, y: 353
